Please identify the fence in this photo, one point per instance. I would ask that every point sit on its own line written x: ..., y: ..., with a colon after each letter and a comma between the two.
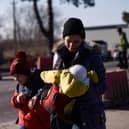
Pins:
x: 117, y: 86
x: 44, y: 63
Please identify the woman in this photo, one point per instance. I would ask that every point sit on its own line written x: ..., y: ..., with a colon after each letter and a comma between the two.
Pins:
x: 88, y: 111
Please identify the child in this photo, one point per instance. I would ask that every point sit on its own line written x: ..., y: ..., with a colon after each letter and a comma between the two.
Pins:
x: 28, y: 85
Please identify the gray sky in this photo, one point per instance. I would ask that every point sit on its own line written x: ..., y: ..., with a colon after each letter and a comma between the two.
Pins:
x: 105, y: 11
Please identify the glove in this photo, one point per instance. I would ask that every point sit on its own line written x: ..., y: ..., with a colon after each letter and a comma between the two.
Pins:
x: 93, y: 76
x: 43, y: 95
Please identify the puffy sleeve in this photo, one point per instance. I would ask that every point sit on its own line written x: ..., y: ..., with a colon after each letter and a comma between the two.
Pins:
x: 51, y: 76
x: 99, y: 68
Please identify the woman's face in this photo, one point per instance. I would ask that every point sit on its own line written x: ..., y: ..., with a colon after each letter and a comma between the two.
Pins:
x: 73, y: 42
x: 20, y: 78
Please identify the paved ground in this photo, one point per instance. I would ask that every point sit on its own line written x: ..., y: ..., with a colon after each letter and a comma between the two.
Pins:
x: 9, y: 125
x: 116, y: 119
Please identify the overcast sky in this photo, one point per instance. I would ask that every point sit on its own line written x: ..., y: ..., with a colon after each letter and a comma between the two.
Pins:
x: 105, y: 11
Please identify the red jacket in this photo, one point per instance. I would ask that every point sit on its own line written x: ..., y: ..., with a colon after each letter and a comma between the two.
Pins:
x: 55, y: 101
x: 37, y: 118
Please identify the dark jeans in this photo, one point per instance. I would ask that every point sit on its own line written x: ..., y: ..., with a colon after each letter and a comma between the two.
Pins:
x: 123, y: 59
x: 21, y: 127
x: 91, y: 116
x: 58, y: 123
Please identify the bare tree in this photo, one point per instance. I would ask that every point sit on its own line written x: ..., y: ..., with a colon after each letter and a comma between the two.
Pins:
x: 49, y: 32
x: 125, y: 17
x: 26, y: 23
x: 2, y: 20
x: 15, y: 25
x: 77, y: 3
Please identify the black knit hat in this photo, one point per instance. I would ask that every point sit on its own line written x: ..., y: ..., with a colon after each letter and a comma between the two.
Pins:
x: 74, y: 26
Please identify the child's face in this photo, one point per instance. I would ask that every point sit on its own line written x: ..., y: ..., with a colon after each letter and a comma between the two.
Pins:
x: 20, y: 78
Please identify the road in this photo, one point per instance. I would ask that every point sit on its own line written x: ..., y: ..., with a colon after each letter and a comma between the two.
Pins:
x: 6, y: 90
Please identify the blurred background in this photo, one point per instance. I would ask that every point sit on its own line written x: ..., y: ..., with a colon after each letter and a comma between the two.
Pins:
x: 35, y: 26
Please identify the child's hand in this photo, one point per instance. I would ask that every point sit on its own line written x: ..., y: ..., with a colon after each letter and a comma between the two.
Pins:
x: 32, y: 102
x: 21, y: 98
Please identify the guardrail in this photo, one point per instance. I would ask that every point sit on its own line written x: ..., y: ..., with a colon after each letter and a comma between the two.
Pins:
x: 117, y: 86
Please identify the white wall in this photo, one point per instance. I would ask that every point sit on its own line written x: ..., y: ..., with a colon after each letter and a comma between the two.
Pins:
x: 109, y: 35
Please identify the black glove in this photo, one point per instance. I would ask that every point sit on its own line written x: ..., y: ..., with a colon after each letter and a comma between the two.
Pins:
x: 43, y: 95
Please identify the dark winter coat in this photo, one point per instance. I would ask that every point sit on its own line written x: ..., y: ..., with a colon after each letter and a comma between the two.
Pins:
x: 88, y: 111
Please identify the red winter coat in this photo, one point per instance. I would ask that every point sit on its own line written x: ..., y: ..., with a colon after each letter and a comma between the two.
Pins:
x: 36, y: 118
x: 55, y: 101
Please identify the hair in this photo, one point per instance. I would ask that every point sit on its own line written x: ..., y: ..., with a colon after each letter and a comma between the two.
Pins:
x: 119, y: 29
